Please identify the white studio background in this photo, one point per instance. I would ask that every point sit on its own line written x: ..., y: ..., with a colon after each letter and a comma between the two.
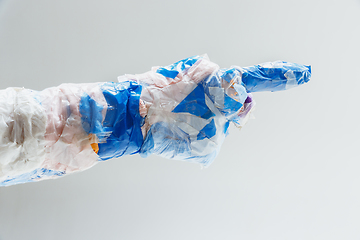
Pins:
x: 291, y: 173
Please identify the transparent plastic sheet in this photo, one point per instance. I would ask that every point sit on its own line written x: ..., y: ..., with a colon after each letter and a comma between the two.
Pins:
x: 75, y: 126
x: 181, y: 111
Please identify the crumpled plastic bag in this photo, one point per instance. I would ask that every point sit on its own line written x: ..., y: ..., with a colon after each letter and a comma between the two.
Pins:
x: 181, y: 111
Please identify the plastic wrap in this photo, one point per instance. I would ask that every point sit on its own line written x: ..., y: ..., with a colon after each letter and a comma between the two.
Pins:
x: 66, y: 129
x: 181, y: 111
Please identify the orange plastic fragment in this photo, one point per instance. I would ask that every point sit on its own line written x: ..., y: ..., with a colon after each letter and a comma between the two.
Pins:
x: 93, y: 143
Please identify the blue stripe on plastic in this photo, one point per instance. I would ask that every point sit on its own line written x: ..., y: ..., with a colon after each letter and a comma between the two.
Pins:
x: 229, y: 74
x: 208, y: 131
x: 171, y: 71
x: 91, y: 116
x: 31, y: 176
x: 195, y: 104
x: 231, y: 106
x: 122, y: 119
x: 165, y: 138
x: 226, y: 127
x: 259, y: 78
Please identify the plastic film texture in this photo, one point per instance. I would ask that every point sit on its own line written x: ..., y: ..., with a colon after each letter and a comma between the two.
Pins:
x: 181, y: 111
x: 71, y: 127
